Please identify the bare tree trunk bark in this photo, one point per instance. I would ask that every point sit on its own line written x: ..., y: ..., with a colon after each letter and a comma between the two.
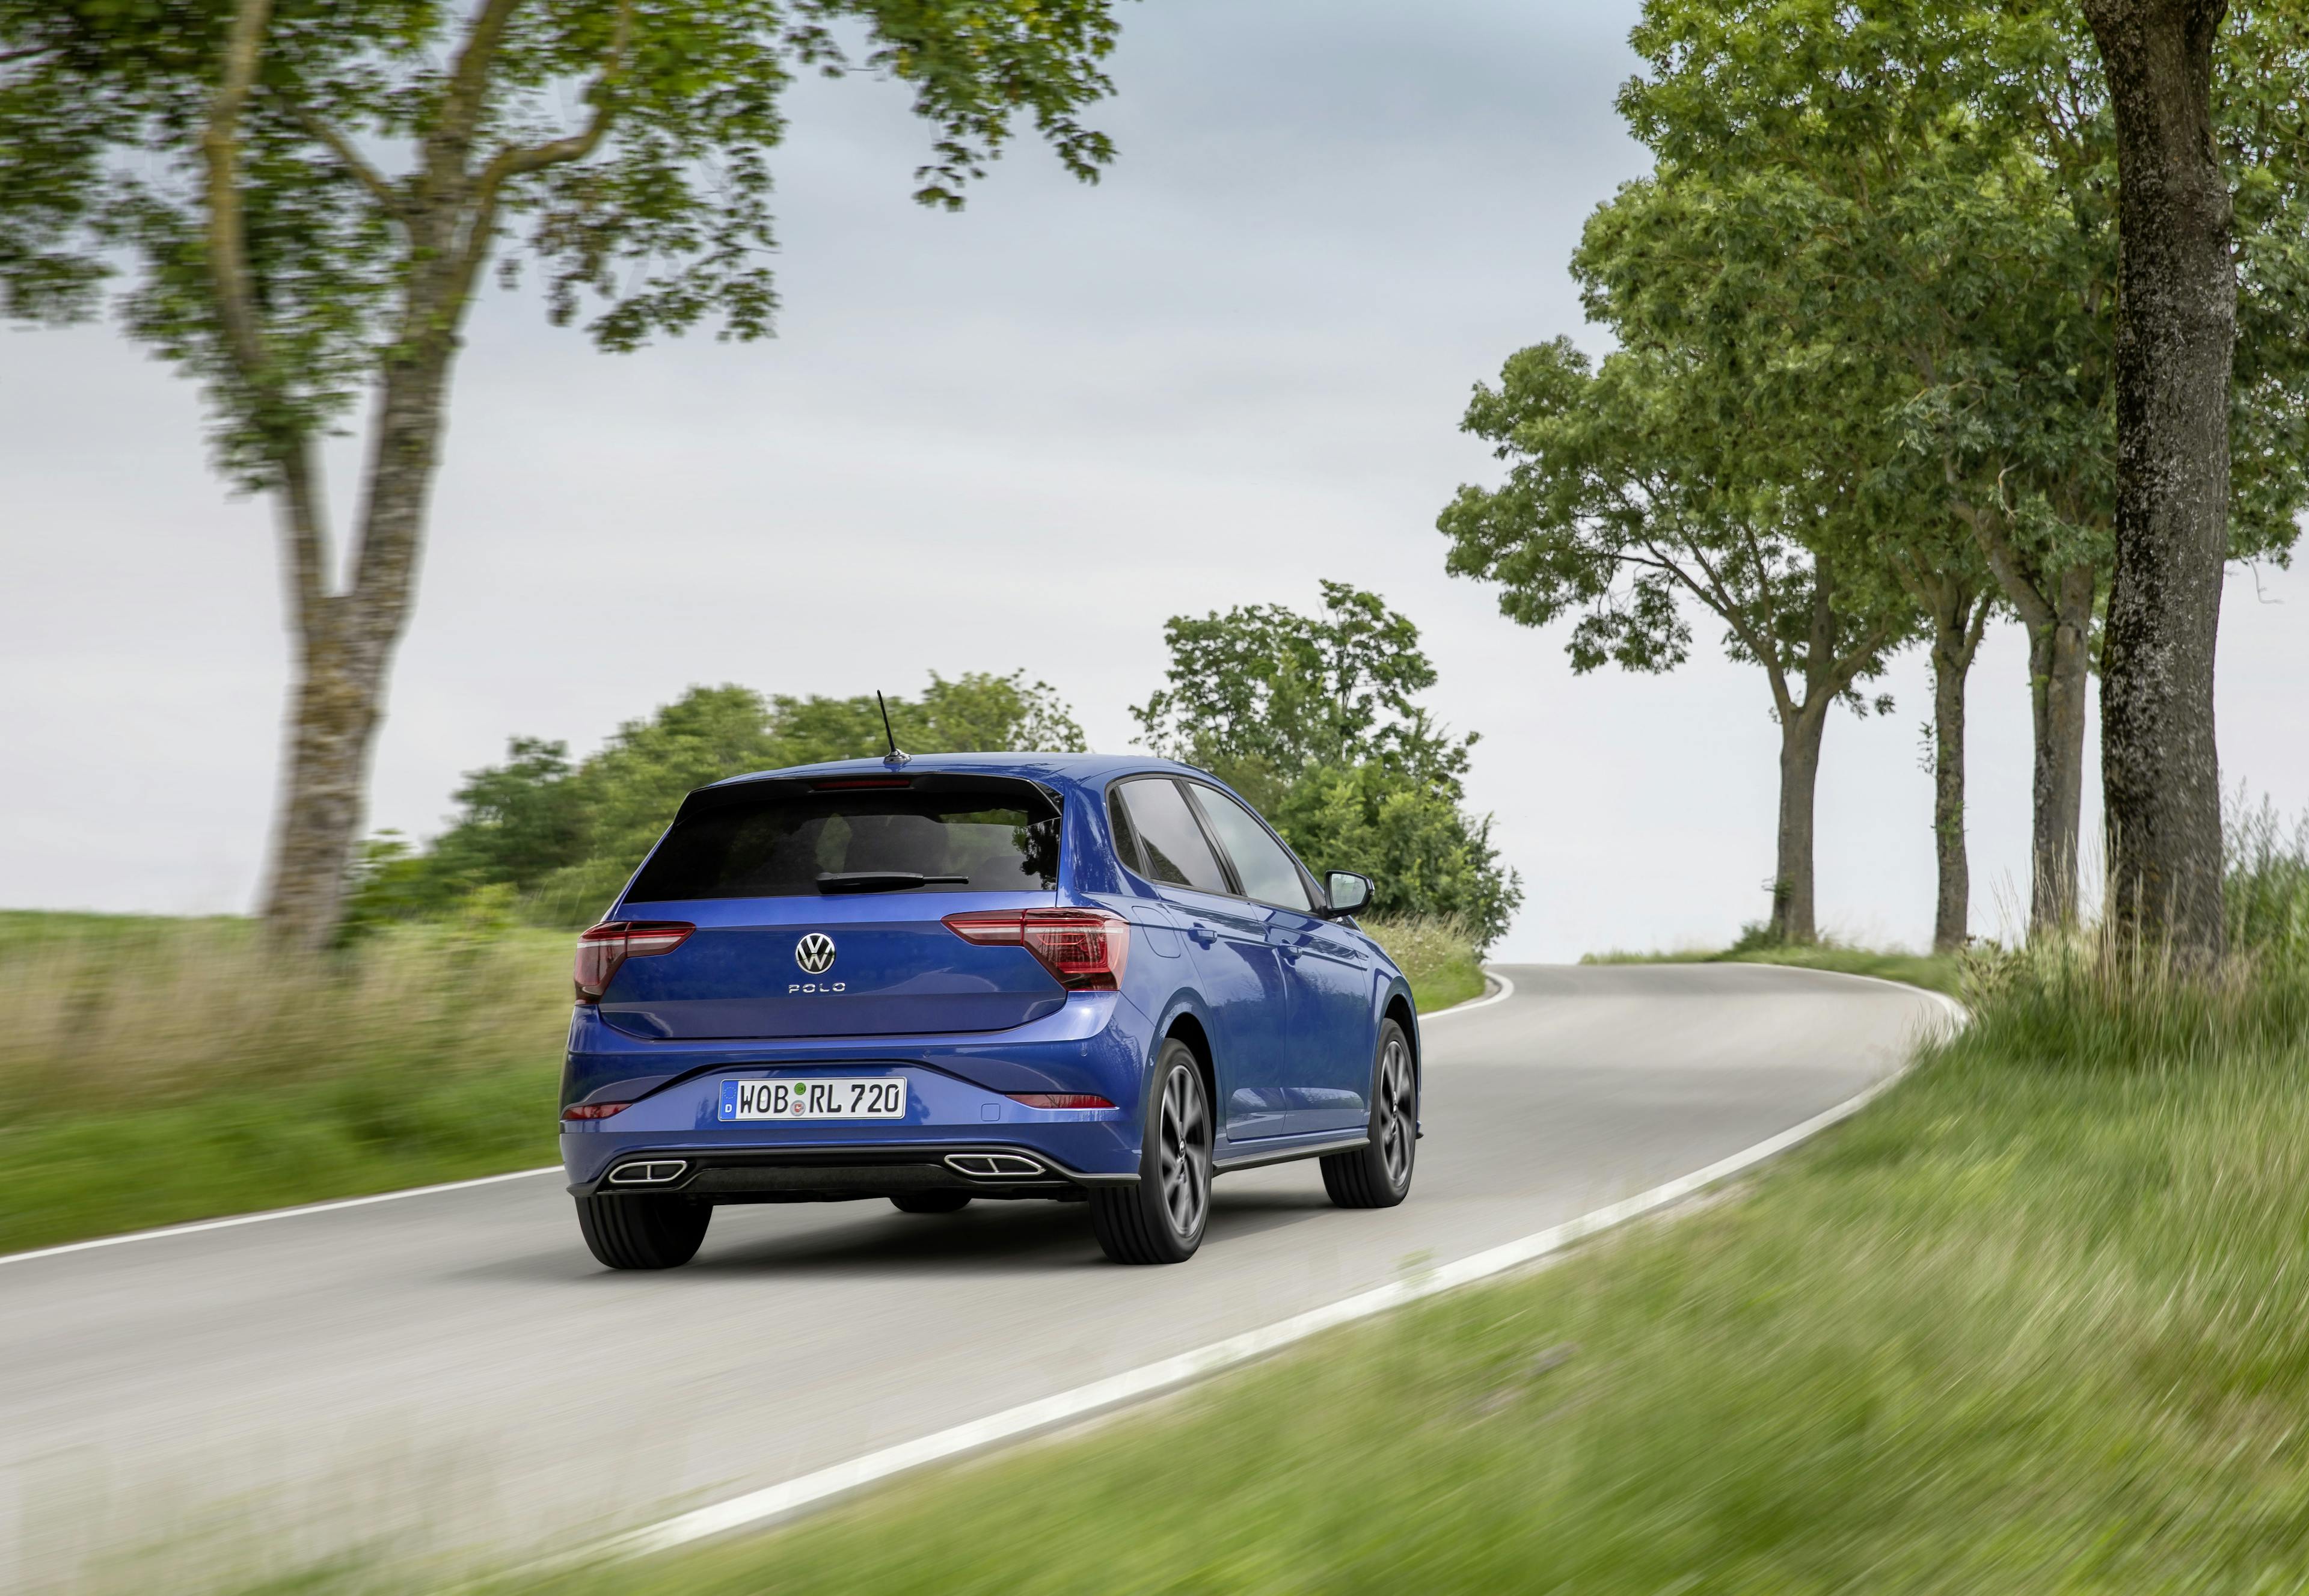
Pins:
x: 2176, y: 343
x: 345, y: 649
x: 1793, y: 912
x: 1959, y: 619
x: 2060, y: 673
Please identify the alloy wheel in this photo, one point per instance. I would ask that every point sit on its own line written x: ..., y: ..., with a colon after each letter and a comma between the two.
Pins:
x: 1397, y: 1111
x: 1183, y: 1151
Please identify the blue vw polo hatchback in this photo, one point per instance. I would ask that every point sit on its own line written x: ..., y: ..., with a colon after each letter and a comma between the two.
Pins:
x: 1072, y: 977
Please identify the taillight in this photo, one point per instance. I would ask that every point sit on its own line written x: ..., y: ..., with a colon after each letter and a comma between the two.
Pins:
x: 602, y: 947
x: 594, y: 1110
x: 1085, y: 948
x: 1058, y: 1100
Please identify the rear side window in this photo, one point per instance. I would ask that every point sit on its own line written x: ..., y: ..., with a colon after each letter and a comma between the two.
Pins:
x: 1170, y: 844
x: 1266, y: 870
x: 1004, y: 838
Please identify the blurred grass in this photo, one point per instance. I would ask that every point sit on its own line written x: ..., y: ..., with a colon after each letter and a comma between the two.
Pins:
x: 157, y: 1071
x: 1437, y: 957
x: 1935, y: 972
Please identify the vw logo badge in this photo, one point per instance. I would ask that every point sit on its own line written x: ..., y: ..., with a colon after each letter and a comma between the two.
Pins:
x: 815, y: 953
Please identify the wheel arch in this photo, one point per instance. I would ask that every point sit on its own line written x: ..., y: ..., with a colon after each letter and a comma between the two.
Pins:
x: 1187, y: 1026
x: 1400, y: 1009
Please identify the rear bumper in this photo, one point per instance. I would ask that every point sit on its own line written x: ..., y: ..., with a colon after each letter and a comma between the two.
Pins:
x: 841, y: 1174
x: 956, y: 1103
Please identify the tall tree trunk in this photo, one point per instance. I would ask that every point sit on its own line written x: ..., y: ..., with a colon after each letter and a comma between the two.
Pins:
x: 2175, y: 342
x: 1959, y: 619
x: 2060, y: 671
x: 1793, y: 914
x: 345, y: 647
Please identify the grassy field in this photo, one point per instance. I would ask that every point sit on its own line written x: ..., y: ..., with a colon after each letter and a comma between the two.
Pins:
x: 1937, y: 972
x: 160, y: 1071
x: 2032, y: 1324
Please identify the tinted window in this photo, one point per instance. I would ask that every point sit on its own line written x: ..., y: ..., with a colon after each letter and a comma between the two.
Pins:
x: 1265, y: 869
x: 1170, y: 844
x: 787, y: 844
x: 1126, y: 842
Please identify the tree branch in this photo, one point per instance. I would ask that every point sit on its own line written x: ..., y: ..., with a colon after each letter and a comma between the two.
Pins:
x: 379, y: 186
x: 518, y: 160
x: 469, y: 81
x: 302, y: 538
x: 228, y: 243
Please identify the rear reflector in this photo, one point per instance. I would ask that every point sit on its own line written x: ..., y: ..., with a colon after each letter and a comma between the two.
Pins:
x: 594, y: 1110
x: 1085, y: 948
x: 1058, y: 1100
x: 602, y: 949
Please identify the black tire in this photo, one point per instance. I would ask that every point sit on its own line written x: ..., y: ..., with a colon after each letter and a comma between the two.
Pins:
x: 932, y: 1203
x: 1161, y: 1218
x: 1378, y: 1175
x: 644, y: 1232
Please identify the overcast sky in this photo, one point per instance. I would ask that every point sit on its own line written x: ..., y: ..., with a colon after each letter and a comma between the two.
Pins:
x: 1021, y: 436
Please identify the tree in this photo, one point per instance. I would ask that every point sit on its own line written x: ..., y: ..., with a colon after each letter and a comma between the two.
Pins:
x: 1925, y: 185
x: 1633, y: 489
x: 2176, y: 336
x: 242, y: 154
x: 1314, y: 719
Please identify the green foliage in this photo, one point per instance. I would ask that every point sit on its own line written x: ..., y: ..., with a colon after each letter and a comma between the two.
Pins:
x: 1266, y: 687
x: 647, y: 216
x: 1635, y: 486
x: 563, y: 839
x: 1313, y: 718
x: 1918, y: 196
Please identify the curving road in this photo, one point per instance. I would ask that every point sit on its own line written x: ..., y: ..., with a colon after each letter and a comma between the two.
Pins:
x: 452, y: 1371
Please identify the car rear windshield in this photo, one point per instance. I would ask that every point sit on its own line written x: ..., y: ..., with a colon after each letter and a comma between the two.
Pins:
x: 996, y: 836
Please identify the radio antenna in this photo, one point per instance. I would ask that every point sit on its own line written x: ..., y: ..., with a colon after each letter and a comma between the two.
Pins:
x: 894, y: 758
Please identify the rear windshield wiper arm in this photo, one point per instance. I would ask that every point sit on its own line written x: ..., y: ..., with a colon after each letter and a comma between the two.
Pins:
x: 884, y: 881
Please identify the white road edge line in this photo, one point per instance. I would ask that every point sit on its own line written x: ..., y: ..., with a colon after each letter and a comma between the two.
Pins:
x: 198, y: 1225
x: 759, y: 1507
x: 1507, y: 990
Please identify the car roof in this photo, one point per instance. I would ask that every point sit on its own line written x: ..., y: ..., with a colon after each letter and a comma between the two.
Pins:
x: 1078, y: 769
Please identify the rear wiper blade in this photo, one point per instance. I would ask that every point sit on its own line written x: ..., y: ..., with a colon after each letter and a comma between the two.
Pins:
x: 884, y: 881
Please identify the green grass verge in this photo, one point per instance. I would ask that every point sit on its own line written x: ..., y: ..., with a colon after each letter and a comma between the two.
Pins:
x: 1935, y: 972
x: 163, y: 1070
x: 2033, y: 1322
x: 1437, y: 956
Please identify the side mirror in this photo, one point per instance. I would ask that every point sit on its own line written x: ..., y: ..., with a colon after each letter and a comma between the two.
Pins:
x: 1347, y: 890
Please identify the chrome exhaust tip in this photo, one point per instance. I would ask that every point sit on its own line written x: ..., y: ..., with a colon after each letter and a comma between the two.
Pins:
x: 649, y: 1172
x: 995, y: 1166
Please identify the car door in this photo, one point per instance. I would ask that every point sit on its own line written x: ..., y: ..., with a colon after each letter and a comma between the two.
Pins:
x: 1327, y: 1063
x: 1238, y: 967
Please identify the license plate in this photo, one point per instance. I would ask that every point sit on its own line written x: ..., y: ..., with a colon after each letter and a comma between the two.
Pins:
x: 880, y: 1096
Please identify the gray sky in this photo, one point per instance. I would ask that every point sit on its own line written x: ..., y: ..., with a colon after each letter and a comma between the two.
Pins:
x: 1019, y: 437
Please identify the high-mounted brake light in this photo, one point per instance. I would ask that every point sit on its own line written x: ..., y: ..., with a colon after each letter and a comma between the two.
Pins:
x: 602, y: 949
x: 1059, y: 1099
x: 1085, y: 948
x: 855, y: 783
x: 594, y: 1110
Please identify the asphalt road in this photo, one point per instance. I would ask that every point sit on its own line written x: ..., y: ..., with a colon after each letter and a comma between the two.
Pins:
x: 453, y: 1370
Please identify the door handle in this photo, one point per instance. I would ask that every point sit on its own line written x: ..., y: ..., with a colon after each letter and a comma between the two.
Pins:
x: 1203, y: 934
